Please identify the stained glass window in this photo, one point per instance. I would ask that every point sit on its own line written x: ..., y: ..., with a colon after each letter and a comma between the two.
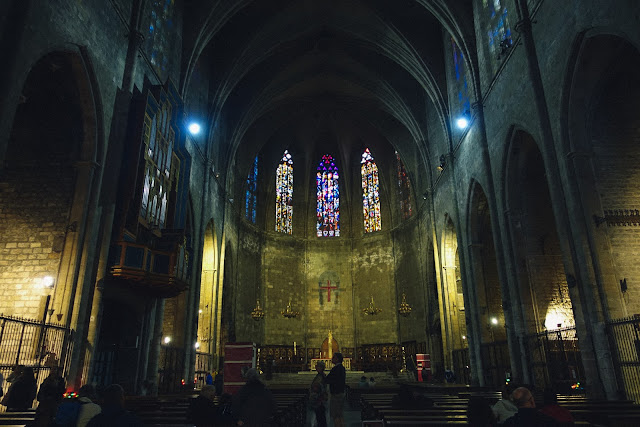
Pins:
x: 284, y: 194
x: 328, y: 196
x: 498, y: 27
x: 251, y: 200
x: 158, y: 40
x: 462, y: 102
x: 161, y: 166
x: 404, y: 189
x: 370, y: 193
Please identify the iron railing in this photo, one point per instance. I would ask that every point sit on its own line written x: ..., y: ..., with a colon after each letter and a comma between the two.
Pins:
x: 461, y: 365
x: 170, y: 370
x: 34, y: 344
x: 624, y: 339
x: 497, y: 363
x: 554, y: 359
x: 204, y: 365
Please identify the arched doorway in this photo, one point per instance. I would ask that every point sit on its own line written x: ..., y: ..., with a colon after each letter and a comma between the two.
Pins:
x: 452, y: 313
x: 488, y: 292
x: 546, y: 305
x: 602, y: 107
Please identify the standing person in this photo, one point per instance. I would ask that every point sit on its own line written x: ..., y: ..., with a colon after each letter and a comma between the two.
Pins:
x: 337, y: 383
x: 318, y: 395
x: 254, y: 404
x: 50, y: 395
x: 22, y: 390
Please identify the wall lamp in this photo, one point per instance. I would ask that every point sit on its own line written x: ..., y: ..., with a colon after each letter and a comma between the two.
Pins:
x: 443, y: 163
x: 194, y: 128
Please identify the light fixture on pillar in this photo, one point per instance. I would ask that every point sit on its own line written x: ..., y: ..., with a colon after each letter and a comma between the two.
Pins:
x: 443, y: 163
x: 257, y: 312
x: 194, y: 128
x: 372, y: 309
x: 405, y: 308
x: 494, y: 321
x: 48, y: 282
x: 167, y: 340
x: 288, y: 312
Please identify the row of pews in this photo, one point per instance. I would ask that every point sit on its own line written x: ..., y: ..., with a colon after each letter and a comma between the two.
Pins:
x: 377, y: 409
x: 171, y: 411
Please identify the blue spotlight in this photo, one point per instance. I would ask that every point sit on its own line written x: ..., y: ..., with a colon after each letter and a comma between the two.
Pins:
x: 194, y: 128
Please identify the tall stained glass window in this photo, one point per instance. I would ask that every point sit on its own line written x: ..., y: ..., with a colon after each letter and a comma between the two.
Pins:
x: 284, y: 194
x: 404, y: 189
x: 462, y: 102
x: 497, y: 27
x: 158, y: 40
x: 252, y: 186
x: 370, y: 193
x: 328, y: 195
x: 162, y: 166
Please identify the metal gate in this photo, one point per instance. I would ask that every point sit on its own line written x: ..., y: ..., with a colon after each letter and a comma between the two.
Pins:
x: 496, y: 362
x: 33, y: 344
x: 624, y: 337
x: 554, y: 359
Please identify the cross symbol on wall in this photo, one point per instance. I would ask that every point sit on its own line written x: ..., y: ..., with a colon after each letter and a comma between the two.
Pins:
x: 328, y: 289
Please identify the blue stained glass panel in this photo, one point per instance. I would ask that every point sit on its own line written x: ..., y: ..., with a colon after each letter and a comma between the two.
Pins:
x: 328, y: 198
x: 252, y: 186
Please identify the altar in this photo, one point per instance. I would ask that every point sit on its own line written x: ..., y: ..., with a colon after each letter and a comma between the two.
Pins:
x: 346, y: 362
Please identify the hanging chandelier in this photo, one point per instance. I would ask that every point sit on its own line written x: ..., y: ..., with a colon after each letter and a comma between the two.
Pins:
x: 257, y: 312
x: 372, y: 309
x: 405, y: 308
x: 288, y: 312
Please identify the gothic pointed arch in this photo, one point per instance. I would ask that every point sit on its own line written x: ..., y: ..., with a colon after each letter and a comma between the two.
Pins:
x: 284, y: 194
x: 328, y: 198
x: 370, y: 193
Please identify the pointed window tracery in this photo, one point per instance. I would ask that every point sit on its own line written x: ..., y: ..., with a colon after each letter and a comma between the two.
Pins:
x: 252, y: 187
x: 370, y: 193
x: 284, y: 194
x: 328, y: 198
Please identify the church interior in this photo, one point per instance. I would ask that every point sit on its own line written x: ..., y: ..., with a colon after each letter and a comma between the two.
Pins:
x: 386, y: 179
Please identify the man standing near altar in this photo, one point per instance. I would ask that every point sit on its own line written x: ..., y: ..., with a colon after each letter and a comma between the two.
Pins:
x: 337, y: 381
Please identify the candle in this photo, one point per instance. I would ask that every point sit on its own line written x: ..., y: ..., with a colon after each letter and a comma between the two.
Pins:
x: 294, y: 348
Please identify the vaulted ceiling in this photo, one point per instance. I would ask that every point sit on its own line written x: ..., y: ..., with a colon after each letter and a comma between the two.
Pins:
x: 271, y: 63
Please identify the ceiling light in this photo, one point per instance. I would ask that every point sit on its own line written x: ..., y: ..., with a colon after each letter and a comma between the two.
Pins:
x: 462, y: 123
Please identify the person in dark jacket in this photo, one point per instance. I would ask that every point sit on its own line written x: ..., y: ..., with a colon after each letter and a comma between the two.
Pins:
x: 254, y: 404
x: 337, y: 384
x: 22, y: 391
x: 50, y: 395
x: 113, y: 412
x: 202, y: 409
x: 527, y: 414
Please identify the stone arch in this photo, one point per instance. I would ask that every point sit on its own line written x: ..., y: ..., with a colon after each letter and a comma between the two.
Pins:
x: 487, y: 294
x: 599, y: 128
x: 546, y: 303
x: 49, y: 165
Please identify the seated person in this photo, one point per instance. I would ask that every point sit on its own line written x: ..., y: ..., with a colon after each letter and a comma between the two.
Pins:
x: 555, y: 411
x: 363, y: 382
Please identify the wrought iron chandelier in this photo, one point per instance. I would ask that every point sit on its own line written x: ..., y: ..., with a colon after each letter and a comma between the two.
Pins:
x: 288, y: 312
x: 257, y: 312
x: 405, y: 308
x: 372, y: 309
